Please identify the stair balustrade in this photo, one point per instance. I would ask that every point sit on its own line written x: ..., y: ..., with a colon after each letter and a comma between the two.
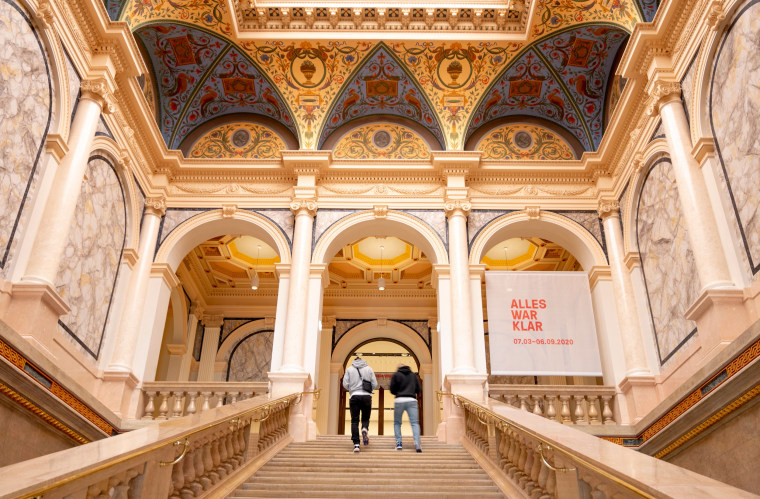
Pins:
x: 200, y: 455
x: 571, y: 404
x: 530, y: 457
x: 173, y: 399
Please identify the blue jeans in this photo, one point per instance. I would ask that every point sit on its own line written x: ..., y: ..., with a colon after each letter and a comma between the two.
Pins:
x: 414, y: 419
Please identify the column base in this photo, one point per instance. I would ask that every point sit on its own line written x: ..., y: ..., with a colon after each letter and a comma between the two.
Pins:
x: 721, y: 316
x: 119, y: 392
x: 471, y: 386
x: 641, y: 396
x: 301, y: 424
x: 33, y: 311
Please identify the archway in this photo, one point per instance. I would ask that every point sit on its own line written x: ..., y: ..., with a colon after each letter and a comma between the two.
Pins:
x: 389, y: 343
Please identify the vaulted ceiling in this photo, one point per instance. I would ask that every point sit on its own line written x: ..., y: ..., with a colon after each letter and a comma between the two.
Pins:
x: 205, y: 72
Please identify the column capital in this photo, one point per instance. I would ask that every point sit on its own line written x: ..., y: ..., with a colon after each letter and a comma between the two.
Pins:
x: 457, y: 206
x: 608, y: 208
x: 661, y: 91
x: 715, y: 14
x: 212, y: 320
x: 156, y: 205
x: 304, y: 205
x: 196, y: 310
x: 328, y: 321
x: 97, y: 89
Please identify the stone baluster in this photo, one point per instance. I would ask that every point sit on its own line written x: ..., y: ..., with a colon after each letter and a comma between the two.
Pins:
x: 216, y: 456
x: 230, y: 442
x: 178, y: 480
x: 524, y: 402
x: 205, y: 397
x: 234, y: 397
x: 192, y: 487
x: 607, y: 414
x: 565, y: 411
x: 208, y: 462
x: 191, y: 396
x: 163, y: 408
x: 593, y: 413
x: 150, y: 407
x: 551, y: 411
x: 220, y: 398
x: 177, y: 408
x: 200, y: 469
x: 237, y: 447
x: 579, y: 416
x: 223, y: 452
x: 537, y: 405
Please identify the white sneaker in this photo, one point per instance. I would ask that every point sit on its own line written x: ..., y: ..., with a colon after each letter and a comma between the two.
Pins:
x: 356, y: 448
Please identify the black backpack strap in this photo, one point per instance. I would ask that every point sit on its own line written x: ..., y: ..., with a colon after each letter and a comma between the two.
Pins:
x: 360, y: 374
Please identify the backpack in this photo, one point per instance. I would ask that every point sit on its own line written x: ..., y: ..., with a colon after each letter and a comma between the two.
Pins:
x: 366, y: 384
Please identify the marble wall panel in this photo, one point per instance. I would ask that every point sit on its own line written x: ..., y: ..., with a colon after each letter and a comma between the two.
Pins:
x: 687, y: 87
x: 325, y: 219
x: 589, y: 220
x: 25, y: 114
x: 230, y: 325
x: 436, y: 220
x: 102, y: 129
x: 173, y: 218
x: 89, y: 268
x: 478, y: 219
x: 342, y: 326
x: 666, y: 258
x: 284, y: 219
x: 735, y: 117
x: 252, y: 358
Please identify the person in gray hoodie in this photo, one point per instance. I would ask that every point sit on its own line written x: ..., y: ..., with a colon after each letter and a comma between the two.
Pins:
x: 360, y: 400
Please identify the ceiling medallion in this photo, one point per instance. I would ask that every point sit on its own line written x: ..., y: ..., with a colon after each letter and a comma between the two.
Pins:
x: 455, y: 70
x: 523, y: 140
x: 307, y: 69
x: 241, y: 138
x: 381, y: 139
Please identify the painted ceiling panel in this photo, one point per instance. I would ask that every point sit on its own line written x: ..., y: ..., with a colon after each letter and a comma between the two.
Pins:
x: 583, y: 59
x: 529, y: 88
x: 382, y: 87
x: 180, y: 57
x: 234, y: 85
x: 238, y: 140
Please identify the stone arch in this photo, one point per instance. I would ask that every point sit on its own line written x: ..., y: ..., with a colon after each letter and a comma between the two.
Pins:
x: 372, y: 330
x: 239, y: 334
x: 655, y: 150
x: 200, y: 228
x: 557, y: 228
x: 366, y: 223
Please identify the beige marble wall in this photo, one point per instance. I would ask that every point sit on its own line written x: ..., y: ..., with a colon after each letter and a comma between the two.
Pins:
x: 667, y: 259
x: 88, y: 271
x: 735, y: 117
x: 24, y: 118
x: 252, y: 358
x: 728, y: 451
x: 74, y: 83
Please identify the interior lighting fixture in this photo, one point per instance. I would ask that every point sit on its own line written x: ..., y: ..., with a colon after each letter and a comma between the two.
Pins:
x: 506, y: 258
x: 381, y: 281
x: 255, y: 278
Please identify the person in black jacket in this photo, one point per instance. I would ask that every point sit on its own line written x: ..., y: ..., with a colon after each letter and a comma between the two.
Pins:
x: 406, y: 386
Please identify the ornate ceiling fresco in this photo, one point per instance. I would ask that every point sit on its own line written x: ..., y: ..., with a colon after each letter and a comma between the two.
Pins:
x: 381, y: 141
x: 524, y: 141
x: 238, y: 140
x: 203, y: 68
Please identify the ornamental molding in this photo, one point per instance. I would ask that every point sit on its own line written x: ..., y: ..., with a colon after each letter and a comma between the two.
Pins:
x: 534, y: 212
x: 266, y: 18
x: 661, y: 91
x: 46, y: 14
x: 716, y: 14
x: 308, y: 206
x: 608, y: 208
x: 381, y: 211
x: 229, y: 210
x: 212, y: 320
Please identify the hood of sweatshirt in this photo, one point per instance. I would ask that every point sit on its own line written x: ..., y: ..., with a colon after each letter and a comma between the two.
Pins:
x: 405, y: 370
x: 358, y: 363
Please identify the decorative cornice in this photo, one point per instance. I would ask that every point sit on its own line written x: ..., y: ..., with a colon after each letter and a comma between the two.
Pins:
x: 300, y: 206
x: 156, y: 205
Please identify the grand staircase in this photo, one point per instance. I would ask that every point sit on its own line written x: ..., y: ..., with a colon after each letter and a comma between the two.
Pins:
x: 327, y: 467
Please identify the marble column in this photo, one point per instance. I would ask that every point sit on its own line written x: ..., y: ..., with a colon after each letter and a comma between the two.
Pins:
x: 295, y: 319
x: 622, y: 287
x: 459, y: 274
x: 703, y: 233
x: 131, y: 318
x: 212, y: 329
x: 192, y: 330
x: 60, y: 207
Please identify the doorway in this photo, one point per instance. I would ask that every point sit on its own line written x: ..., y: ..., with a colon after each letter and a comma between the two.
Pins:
x: 383, y: 356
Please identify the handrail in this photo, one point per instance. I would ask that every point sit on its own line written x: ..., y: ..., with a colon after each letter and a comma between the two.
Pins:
x: 513, y: 443
x: 220, y: 433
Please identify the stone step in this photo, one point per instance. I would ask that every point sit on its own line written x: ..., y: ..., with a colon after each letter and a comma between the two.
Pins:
x: 297, y: 490
x: 369, y: 462
x: 363, y: 493
x: 410, y: 480
x: 402, y: 476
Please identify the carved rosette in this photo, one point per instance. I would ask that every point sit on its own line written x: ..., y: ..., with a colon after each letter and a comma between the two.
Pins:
x: 534, y: 212
x: 380, y: 211
x: 229, y: 210
x: 98, y: 91
x: 662, y: 91
x: 608, y: 208
x: 155, y: 206
x: 455, y: 207
x: 304, y: 206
